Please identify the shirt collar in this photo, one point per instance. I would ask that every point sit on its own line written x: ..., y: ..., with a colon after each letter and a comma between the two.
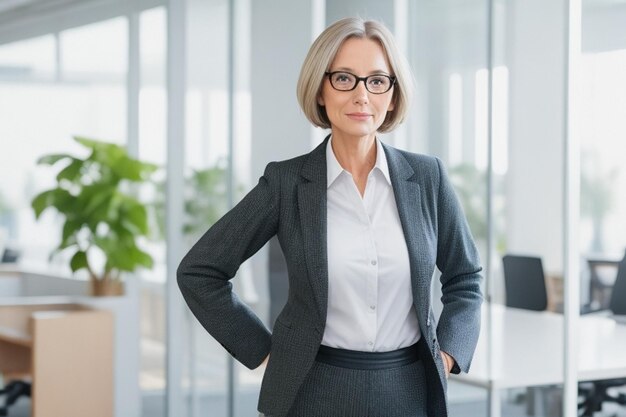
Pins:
x: 334, y: 169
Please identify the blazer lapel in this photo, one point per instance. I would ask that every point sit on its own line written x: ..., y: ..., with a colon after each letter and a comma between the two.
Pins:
x: 312, y: 208
x: 408, y: 199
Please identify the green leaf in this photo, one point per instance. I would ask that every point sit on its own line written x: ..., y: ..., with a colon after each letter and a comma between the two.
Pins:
x: 41, y: 202
x: 103, y: 153
x: 96, y: 196
x: 122, y: 233
x: 115, y: 204
x: 79, y: 261
x: 70, y: 228
x: 128, y: 168
x: 123, y: 255
x: 52, y: 159
x: 64, y: 202
x: 132, y: 169
x: 57, y: 197
x: 71, y: 172
x: 134, y: 217
x: 140, y: 257
x: 120, y: 258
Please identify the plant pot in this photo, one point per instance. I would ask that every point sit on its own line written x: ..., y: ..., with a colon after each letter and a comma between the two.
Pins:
x: 106, y: 287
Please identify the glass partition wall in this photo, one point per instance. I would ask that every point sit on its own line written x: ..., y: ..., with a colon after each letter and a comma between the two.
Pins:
x: 527, y: 264
x: 602, y: 243
x: 217, y: 175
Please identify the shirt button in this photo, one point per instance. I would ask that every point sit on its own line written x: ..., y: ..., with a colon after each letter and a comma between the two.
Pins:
x: 373, y: 307
x: 374, y: 262
x: 370, y: 343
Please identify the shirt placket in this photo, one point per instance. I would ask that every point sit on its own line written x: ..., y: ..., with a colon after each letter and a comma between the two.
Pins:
x: 371, y: 258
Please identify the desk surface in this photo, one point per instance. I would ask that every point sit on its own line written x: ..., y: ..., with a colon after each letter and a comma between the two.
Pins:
x: 527, y: 349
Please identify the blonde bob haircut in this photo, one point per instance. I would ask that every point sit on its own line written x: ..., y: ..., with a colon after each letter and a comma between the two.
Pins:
x: 322, y: 54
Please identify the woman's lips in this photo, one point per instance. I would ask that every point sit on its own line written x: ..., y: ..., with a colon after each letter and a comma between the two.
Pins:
x: 359, y: 116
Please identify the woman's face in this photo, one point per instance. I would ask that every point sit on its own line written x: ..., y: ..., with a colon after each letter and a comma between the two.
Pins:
x: 357, y: 113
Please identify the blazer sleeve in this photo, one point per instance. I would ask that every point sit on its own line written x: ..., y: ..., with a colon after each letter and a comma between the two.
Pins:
x: 204, y: 273
x: 459, y: 263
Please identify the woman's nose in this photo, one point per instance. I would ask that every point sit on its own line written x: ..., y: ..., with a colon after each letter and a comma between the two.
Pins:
x: 360, y: 94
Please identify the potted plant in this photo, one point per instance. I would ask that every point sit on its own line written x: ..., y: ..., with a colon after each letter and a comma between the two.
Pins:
x: 102, y: 214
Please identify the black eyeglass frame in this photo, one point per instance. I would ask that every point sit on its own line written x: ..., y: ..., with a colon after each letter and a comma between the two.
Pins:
x: 392, y: 80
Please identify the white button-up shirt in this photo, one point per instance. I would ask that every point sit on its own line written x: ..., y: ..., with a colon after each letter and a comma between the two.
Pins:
x: 370, y: 301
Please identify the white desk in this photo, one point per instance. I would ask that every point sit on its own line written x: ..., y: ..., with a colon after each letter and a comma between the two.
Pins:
x: 526, y: 349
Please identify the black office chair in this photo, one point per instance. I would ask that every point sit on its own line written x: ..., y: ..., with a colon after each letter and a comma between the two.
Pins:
x: 596, y: 393
x: 12, y: 392
x: 525, y: 285
x: 524, y: 282
x: 617, y: 304
x: 601, y: 288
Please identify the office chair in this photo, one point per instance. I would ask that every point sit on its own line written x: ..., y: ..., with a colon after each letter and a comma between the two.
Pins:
x: 524, y: 282
x: 617, y: 305
x: 596, y: 393
x: 13, y: 391
x: 525, y: 285
x: 599, y: 289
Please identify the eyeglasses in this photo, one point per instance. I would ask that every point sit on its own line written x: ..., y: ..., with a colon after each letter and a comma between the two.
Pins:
x: 375, y: 84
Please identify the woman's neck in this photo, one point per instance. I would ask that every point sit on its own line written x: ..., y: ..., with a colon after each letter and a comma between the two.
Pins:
x: 357, y: 155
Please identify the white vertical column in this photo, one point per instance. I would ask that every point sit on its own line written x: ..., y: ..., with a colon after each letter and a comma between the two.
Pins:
x: 128, y: 396
x: 399, y: 137
x: 176, y: 70
x: 133, y: 81
x: 493, y: 395
x: 469, y: 116
x: 571, y: 204
x: 58, y: 61
x: 536, y: 60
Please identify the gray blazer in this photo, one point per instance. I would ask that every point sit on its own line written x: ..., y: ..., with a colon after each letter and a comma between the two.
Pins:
x: 290, y: 201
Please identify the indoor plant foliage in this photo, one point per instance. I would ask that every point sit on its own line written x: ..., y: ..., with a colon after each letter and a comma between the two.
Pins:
x: 206, y: 200
x: 94, y: 195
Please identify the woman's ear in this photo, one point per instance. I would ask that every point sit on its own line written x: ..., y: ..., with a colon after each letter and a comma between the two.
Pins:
x: 320, y: 100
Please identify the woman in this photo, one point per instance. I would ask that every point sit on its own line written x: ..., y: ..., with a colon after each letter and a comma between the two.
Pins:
x: 362, y: 226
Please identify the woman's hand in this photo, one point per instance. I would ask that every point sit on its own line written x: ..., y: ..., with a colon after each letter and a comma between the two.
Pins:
x: 448, y: 362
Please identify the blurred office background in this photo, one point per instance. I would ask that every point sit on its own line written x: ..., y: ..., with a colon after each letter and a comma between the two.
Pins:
x: 524, y: 100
